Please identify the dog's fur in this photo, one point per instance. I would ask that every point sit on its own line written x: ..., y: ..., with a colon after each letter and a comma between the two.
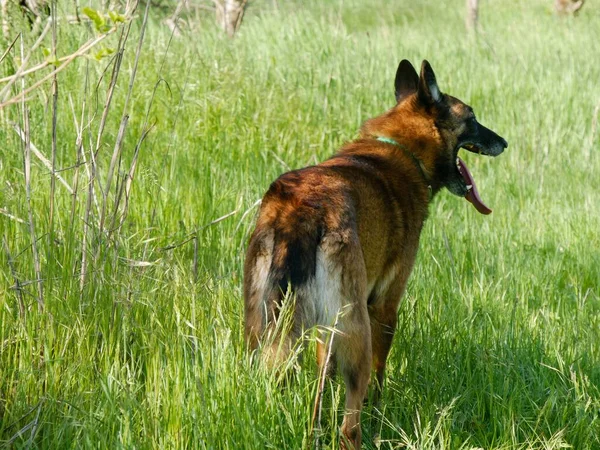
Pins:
x: 343, y: 235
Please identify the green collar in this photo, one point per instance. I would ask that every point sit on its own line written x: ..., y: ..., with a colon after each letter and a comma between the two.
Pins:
x: 388, y: 140
x: 416, y: 160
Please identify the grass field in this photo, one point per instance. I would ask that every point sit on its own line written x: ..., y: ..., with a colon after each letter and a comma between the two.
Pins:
x: 499, y: 339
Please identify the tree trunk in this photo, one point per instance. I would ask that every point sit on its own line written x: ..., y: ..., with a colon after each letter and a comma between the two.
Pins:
x: 230, y: 14
x: 5, y: 28
x: 472, y: 14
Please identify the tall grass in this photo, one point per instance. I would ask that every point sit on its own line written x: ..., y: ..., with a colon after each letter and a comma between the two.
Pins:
x: 499, y: 343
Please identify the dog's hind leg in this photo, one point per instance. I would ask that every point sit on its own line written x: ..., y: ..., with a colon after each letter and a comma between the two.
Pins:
x: 383, y: 313
x: 383, y: 327
x: 342, y: 276
x: 353, y: 353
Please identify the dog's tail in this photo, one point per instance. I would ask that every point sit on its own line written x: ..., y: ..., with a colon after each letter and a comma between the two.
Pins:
x: 278, y: 264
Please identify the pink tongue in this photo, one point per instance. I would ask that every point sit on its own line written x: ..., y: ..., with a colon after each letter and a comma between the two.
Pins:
x: 472, y: 194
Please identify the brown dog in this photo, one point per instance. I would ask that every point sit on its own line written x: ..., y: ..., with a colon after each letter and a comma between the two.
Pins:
x: 342, y: 236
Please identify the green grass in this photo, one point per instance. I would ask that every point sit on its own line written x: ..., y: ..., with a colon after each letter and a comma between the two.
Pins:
x: 499, y: 343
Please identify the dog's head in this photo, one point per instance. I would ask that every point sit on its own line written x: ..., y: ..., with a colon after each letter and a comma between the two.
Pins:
x: 454, y: 126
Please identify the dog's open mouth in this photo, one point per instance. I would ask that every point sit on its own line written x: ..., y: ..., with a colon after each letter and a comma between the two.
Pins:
x: 472, y: 192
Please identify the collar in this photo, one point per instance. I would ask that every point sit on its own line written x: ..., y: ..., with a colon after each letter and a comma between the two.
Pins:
x: 417, y: 161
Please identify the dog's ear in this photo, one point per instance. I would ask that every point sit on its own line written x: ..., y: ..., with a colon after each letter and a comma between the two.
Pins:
x: 429, y: 92
x: 407, y: 80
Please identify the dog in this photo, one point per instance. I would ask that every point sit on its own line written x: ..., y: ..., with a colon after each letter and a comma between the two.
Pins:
x: 341, y: 237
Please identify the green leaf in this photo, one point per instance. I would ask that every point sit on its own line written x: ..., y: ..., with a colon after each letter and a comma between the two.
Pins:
x: 96, y: 17
x: 116, y: 17
x: 103, y: 53
x: 50, y: 58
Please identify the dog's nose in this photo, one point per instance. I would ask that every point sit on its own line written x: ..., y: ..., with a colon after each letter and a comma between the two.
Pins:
x: 504, y: 143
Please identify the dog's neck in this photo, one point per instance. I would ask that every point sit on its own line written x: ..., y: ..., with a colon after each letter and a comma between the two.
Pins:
x: 413, y: 131
x: 417, y: 162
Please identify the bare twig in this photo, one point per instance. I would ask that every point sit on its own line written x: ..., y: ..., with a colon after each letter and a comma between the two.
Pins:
x: 11, y: 80
x: 128, y: 15
x: 65, y: 62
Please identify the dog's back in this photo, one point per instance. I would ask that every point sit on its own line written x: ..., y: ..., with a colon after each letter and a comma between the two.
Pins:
x: 314, y: 225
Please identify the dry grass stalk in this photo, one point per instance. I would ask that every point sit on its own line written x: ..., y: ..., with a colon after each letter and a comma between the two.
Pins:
x: 9, y: 48
x: 79, y: 156
x: 127, y: 185
x: 54, y: 119
x: 5, y: 212
x: 116, y: 154
x: 85, y: 232
x: 41, y: 157
x: 93, y: 155
x: 124, y: 119
x: 27, y: 172
x: 11, y: 265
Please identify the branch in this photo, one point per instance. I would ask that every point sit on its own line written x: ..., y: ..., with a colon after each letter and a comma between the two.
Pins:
x: 65, y: 60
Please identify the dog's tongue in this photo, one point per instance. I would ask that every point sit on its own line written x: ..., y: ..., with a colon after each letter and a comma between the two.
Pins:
x: 472, y: 194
